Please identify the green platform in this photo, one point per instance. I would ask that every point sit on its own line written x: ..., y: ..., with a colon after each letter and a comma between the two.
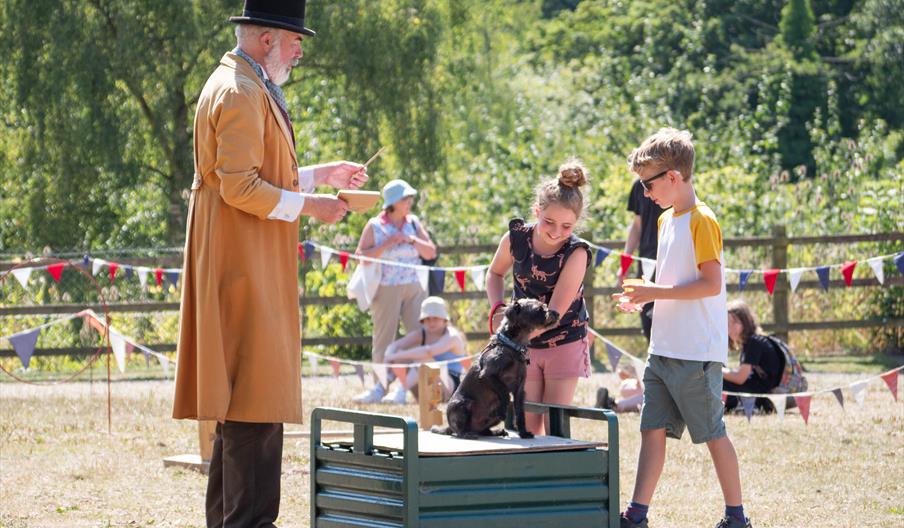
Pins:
x: 370, y: 481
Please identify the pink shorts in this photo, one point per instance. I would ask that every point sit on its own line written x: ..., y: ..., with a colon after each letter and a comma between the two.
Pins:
x: 571, y: 360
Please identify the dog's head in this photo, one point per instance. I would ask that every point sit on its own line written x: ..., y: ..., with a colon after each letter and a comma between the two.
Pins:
x: 526, y: 315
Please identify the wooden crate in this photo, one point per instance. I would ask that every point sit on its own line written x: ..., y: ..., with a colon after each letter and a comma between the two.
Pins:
x: 549, y: 481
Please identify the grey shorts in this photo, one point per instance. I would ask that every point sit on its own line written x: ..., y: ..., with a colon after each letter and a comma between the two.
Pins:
x: 679, y: 393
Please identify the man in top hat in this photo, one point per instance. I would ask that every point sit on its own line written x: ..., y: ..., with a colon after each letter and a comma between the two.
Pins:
x: 239, y: 343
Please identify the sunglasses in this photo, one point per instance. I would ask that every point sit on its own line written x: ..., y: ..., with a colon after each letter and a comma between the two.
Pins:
x: 647, y: 185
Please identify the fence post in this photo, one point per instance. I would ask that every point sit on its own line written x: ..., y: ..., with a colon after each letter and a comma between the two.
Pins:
x: 780, y: 294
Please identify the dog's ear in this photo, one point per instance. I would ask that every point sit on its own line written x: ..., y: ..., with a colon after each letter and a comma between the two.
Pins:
x: 552, y: 317
x: 512, y: 309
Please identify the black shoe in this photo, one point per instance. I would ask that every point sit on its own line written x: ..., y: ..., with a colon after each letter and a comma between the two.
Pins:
x: 625, y: 522
x: 603, y: 401
x: 731, y: 522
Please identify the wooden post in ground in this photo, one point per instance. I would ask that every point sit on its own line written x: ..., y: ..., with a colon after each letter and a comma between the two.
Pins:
x: 429, y: 396
x: 780, y: 293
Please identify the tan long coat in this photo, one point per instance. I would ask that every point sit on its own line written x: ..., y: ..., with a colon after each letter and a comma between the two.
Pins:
x: 239, y: 343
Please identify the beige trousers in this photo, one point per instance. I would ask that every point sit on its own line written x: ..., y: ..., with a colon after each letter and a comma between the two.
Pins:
x: 391, y: 305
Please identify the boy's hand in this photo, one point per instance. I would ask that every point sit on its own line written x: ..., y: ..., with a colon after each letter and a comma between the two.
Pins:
x: 642, y: 294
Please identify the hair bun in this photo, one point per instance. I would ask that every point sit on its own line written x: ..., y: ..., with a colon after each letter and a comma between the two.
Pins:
x: 572, y: 174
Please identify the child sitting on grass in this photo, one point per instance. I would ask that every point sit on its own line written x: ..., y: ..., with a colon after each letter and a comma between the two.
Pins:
x: 630, y: 392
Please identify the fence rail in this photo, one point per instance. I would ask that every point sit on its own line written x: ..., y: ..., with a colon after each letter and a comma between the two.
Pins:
x: 781, y: 324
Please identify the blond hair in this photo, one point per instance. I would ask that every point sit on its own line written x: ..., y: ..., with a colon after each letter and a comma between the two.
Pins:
x: 565, y: 189
x: 667, y: 149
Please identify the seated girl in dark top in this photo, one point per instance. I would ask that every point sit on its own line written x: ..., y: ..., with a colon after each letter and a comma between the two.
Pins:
x: 761, y: 365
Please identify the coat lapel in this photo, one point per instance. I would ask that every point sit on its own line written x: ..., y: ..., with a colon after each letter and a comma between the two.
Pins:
x: 244, y: 69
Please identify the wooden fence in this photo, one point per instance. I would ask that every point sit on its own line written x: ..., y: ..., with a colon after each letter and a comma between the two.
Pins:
x: 780, y: 324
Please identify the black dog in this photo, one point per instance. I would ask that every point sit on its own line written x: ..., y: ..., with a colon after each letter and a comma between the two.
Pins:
x: 482, y: 398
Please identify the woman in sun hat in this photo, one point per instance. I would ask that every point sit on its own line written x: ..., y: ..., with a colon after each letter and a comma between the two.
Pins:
x: 436, y: 340
x: 397, y: 235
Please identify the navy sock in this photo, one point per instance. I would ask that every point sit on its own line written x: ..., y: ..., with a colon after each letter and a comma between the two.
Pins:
x: 736, y: 511
x: 637, y: 512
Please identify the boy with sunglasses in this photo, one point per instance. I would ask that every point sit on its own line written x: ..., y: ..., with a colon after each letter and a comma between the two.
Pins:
x: 689, y: 339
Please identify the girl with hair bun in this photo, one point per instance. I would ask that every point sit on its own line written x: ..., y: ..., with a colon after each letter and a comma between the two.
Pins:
x: 548, y: 263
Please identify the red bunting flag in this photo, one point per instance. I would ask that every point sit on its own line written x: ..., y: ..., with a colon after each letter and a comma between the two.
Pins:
x: 335, y: 366
x: 891, y: 379
x: 803, y: 403
x: 465, y: 364
x: 402, y: 374
x: 460, y: 278
x: 55, y: 271
x: 626, y: 261
x: 343, y: 259
x: 158, y: 276
x: 847, y: 270
x: 301, y: 252
x: 113, y: 267
x: 769, y: 277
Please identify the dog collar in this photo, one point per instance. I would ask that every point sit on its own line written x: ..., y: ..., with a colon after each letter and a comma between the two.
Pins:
x: 507, y: 341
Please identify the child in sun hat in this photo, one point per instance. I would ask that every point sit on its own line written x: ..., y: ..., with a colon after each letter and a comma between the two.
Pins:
x: 436, y: 340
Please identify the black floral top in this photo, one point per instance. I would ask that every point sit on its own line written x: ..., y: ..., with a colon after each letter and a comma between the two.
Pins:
x: 536, y: 277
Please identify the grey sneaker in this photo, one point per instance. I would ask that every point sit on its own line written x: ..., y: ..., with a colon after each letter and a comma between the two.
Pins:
x: 624, y: 522
x: 731, y: 522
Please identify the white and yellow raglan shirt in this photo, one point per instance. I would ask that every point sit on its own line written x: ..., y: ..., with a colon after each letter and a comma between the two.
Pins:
x: 696, y: 329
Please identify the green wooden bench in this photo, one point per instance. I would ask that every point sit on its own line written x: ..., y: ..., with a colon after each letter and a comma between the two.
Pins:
x: 374, y: 480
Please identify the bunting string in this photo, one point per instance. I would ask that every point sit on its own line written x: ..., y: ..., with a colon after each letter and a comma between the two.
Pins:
x: 779, y: 400
x: 22, y: 272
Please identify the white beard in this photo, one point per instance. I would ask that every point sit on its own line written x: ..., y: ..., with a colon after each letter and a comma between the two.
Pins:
x: 278, y: 71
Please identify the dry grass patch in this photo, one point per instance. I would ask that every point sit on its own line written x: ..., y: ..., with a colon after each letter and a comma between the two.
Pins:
x: 59, y: 467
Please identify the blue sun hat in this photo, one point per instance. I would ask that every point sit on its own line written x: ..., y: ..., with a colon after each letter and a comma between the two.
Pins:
x: 395, y: 191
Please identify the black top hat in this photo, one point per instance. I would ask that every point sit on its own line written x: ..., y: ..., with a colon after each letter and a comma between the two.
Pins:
x: 282, y: 14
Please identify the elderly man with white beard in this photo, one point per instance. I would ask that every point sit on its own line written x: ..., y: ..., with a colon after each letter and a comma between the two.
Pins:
x: 239, y: 357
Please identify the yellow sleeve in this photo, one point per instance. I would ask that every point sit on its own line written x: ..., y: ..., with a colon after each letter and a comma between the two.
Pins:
x: 661, y: 219
x: 707, y: 236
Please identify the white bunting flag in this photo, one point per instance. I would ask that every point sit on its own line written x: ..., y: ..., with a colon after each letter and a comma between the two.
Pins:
x: 779, y: 403
x: 478, y: 275
x: 380, y: 371
x: 423, y: 276
x: 143, y: 275
x: 648, y: 266
x: 794, y: 276
x: 876, y: 265
x: 118, y: 343
x: 857, y: 389
x: 312, y: 359
x: 164, y: 362
x: 325, y: 254
x: 96, y: 265
x: 22, y: 275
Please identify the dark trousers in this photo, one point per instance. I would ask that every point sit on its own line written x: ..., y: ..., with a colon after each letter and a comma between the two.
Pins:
x: 244, y: 476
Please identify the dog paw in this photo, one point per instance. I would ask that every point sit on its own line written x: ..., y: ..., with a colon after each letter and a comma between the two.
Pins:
x: 525, y: 434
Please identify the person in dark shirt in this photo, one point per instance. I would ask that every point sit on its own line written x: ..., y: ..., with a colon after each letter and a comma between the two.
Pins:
x: 761, y: 364
x: 643, y: 237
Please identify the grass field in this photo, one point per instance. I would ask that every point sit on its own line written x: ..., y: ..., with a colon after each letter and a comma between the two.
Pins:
x: 60, y: 468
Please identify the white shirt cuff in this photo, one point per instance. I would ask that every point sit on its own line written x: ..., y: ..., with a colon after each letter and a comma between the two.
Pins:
x: 306, y: 179
x: 289, y: 206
